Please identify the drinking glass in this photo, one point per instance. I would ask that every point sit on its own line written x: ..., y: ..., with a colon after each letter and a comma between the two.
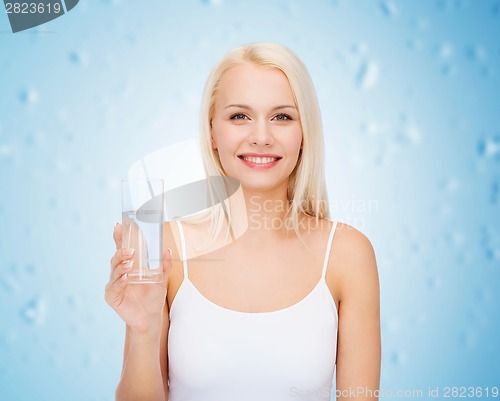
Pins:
x: 142, y: 227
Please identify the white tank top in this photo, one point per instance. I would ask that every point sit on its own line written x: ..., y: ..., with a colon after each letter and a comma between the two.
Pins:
x: 219, y: 354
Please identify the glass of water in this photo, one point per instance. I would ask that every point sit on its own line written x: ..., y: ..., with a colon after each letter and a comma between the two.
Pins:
x: 142, y: 228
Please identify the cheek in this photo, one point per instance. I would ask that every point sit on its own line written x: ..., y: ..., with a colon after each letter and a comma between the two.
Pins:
x: 296, y: 139
x: 224, y: 139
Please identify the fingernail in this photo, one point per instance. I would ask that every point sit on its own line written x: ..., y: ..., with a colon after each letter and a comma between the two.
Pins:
x: 169, y: 251
x: 129, y: 264
x: 128, y: 251
x: 124, y: 277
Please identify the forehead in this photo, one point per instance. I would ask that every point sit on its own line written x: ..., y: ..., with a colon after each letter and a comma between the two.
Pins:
x: 249, y: 83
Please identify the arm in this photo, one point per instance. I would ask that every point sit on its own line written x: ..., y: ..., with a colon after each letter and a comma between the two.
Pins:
x: 145, y: 361
x: 359, y: 344
x: 145, y: 370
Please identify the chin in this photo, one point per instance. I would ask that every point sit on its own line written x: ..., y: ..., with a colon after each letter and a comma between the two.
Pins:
x: 260, y: 185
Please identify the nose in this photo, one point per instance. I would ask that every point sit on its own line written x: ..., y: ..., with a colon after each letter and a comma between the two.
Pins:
x: 261, y: 135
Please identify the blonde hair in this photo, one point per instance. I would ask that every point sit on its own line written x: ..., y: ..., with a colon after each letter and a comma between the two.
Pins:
x: 306, y: 191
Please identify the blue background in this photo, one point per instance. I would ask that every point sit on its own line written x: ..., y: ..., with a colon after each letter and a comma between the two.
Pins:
x: 410, y: 97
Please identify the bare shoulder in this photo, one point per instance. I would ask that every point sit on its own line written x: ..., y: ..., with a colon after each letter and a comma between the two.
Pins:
x: 352, y: 243
x: 352, y: 262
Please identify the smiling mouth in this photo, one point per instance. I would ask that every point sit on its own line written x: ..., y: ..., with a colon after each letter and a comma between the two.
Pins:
x: 259, y: 160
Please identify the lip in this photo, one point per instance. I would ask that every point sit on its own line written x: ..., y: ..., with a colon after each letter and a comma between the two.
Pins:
x: 259, y: 166
x: 259, y: 155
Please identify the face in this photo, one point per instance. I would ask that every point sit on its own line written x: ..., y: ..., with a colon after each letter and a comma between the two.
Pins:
x: 256, y: 127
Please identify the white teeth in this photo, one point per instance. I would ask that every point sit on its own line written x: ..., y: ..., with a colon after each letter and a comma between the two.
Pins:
x: 259, y: 160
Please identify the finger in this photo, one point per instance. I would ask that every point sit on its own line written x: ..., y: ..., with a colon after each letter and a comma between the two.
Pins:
x: 114, y: 291
x: 117, y: 235
x: 167, y: 263
x: 167, y: 260
x: 121, y: 269
x: 120, y: 256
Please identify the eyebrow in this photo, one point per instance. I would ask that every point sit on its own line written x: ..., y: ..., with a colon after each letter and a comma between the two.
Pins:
x: 244, y: 106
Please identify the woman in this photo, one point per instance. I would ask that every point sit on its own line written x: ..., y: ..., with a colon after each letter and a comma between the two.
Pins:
x: 292, y: 296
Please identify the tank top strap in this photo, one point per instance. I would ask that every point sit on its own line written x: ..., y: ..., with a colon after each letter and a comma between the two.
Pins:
x: 328, y: 249
x: 183, y: 249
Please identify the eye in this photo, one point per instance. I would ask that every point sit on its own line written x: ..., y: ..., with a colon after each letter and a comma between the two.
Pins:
x: 238, y: 116
x: 283, y: 117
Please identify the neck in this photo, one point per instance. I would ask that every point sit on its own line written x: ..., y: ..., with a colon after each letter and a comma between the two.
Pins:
x: 260, y: 216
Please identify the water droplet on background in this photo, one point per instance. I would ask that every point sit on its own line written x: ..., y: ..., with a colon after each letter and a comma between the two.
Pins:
x: 78, y: 57
x: 398, y: 358
x: 52, y: 203
x: 450, y: 5
x: 78, y: 218
x: 491, y: 244
x: 455, y: 238
x: 13, y: 268
x: 489, y: 147
x: 73, y: 302
x: 431, y: 283
x: 54, y: 358
x: 30, y: 268
x: 90, y: 359
x: 468, y: 338
x: 410, y: 134
x: 450, y: 185
x: 389, y: 8
x: 29, y: 96
x: 495, y: 10
x: 7, y: 340
x: 6, y: 150
x: 359, y: 48
x: 475, y: 53
x: 212, y: 3
x: 449, y: 70
x: 445, y: 54
x: 483, y: 295
x: 368, y: 75
x: 422, y: 24
x: 7, y: 343
x: 371, y: 128
x: 494, y: 189
x: 415, y: 44
x: 75, y: 329
x: 35, y: 311
x: 414, y: 246
x: 445, y: 51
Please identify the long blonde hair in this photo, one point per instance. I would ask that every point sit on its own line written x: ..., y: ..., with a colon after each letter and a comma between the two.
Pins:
x: 306, y: 190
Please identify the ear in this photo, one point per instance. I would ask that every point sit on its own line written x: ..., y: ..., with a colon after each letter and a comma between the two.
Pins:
x: 214, y: 144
